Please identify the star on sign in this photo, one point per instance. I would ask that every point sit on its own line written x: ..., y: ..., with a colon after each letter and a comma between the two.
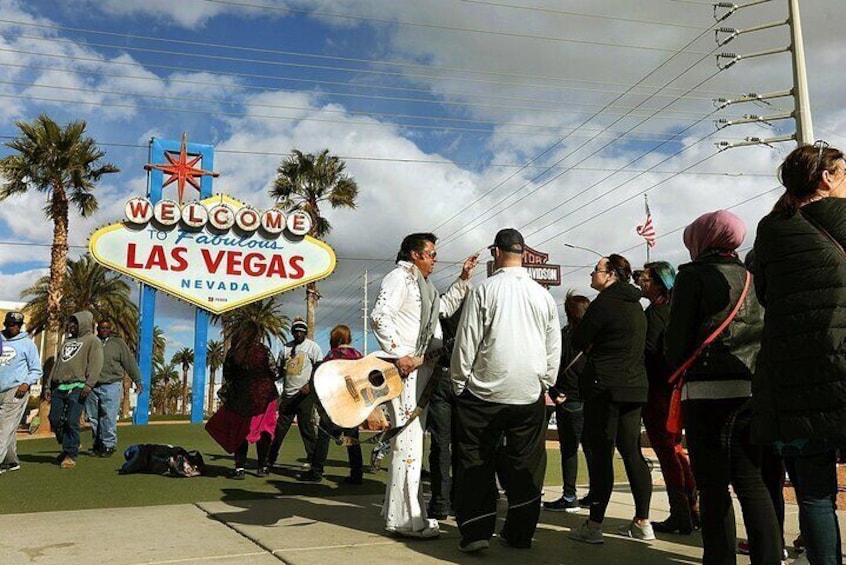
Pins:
x: 181, y: 169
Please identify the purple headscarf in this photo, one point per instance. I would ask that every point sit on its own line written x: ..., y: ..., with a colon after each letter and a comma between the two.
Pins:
x: 714, y: 230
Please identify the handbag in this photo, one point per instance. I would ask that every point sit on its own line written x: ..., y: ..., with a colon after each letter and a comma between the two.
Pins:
x: 674, y: 415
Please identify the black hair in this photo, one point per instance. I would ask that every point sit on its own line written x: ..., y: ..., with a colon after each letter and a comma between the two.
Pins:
x: 414, y: 242
x: 620, y: 266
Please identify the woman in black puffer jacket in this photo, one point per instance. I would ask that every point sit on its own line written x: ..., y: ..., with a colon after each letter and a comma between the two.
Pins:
x: 800, y: 384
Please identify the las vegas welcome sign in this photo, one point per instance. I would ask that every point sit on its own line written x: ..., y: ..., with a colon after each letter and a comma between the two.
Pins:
x: 217, y: 253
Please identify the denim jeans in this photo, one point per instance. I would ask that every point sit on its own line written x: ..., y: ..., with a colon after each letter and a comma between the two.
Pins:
x: 65, y: 412
x: 440, y: 452
x: 101, y: 407
x: 817, y: 494
x: 570, y: 420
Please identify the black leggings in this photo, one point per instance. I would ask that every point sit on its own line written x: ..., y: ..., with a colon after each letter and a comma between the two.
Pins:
x: 610, y: 424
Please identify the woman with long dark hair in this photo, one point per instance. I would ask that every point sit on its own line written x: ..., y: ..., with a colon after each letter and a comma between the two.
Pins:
x: 800, y: 384
x: 249, y: 390
x: 716, y: 403
x: 613, y: 386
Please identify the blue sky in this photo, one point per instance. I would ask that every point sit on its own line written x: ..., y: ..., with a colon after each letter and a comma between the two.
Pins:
x: 461, y: 117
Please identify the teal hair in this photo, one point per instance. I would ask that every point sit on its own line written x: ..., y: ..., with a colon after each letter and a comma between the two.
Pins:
x: 664, y: 273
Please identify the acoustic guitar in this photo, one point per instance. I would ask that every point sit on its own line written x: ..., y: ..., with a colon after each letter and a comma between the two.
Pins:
x: 349, y: 390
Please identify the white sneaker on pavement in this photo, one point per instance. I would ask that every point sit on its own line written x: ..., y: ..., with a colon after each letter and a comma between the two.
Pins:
x: 636, y: 531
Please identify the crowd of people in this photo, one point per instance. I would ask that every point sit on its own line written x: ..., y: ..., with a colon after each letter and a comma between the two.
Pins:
x: 744, y: 354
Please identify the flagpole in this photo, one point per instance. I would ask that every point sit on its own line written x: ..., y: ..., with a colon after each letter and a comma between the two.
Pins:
x: 646, y: 205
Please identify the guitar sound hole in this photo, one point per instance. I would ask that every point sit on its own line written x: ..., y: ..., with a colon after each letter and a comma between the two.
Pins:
x: 376, y: 378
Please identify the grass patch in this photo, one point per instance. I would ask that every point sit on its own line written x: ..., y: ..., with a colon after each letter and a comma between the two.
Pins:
x: 42, y: 486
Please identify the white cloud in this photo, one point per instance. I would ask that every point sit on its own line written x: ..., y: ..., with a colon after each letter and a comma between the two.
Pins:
x: 539, y: 83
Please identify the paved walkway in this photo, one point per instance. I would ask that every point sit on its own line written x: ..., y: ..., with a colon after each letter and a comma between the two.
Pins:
x: 303, y: 530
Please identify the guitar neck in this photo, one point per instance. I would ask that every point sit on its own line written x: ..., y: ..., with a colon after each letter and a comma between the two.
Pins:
x: 435, y: 353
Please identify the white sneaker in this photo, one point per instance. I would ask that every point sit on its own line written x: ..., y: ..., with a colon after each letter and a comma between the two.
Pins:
x: 426, y: 533
x: 636, y: 531
x: 587, y: 533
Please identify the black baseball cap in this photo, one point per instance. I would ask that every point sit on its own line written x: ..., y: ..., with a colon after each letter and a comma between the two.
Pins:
x: 299, y: 326
x: 509, y: 239
x: 14, y: 318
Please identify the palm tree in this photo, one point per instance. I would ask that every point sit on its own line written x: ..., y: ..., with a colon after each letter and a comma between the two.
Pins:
x: 261, y: 320
x: 161, y: 393
x: 87, y: 286
x: 64, y: 165
x: 215, y: 354
x: 303, y: 182
x: 184, y: 356
x: 159, y: 344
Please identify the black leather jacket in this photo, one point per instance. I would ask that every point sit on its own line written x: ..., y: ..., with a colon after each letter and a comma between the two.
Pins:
x: 705, y: 293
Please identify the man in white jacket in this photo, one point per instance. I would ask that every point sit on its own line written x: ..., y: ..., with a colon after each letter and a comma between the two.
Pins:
x: 507, y: 351
x: 405, y: 321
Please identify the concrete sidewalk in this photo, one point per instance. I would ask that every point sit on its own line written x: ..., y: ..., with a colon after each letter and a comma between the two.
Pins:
x: 308, y: 530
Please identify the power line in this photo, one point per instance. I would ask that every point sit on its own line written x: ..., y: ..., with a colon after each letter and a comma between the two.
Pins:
x: 266, y: 117
x: 465, y: 227
x: 100, y: 91
x: 205, y: 44
x: 241, y: 60
x: 680, y: 228
x: 365, y: 158
x: 562, y: 108
x: 444, y: 27
x: 582, y: 14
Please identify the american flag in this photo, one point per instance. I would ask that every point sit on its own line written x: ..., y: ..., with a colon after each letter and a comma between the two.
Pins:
x: 647, y: 230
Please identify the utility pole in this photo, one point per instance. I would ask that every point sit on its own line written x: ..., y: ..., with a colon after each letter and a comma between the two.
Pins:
x: 804, y: 125
x: 364, y: 315
x: 801, y: 113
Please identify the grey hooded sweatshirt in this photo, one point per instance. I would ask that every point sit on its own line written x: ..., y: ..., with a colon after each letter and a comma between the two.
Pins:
x: 81, y: 357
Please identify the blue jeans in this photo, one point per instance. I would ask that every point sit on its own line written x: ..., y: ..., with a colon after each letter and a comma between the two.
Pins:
x: 439, y: 423
x: 817, y: 494
x: 101, y: 407
x: 65, y: 412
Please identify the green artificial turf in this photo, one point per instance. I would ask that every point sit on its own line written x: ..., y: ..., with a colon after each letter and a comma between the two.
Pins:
x: 40, y: 485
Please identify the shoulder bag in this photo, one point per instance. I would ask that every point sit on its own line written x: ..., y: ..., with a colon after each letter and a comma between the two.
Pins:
x: 674, y: 416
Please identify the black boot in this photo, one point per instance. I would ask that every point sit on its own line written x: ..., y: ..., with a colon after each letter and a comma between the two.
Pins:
x: 680, y: 521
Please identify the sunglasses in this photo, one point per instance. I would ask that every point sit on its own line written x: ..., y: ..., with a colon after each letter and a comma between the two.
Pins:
x: 430, y: 254
x: 821, y: 146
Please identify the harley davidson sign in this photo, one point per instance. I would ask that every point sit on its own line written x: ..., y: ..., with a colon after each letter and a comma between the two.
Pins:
x: 217, y: 254
x: 536, y: 264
